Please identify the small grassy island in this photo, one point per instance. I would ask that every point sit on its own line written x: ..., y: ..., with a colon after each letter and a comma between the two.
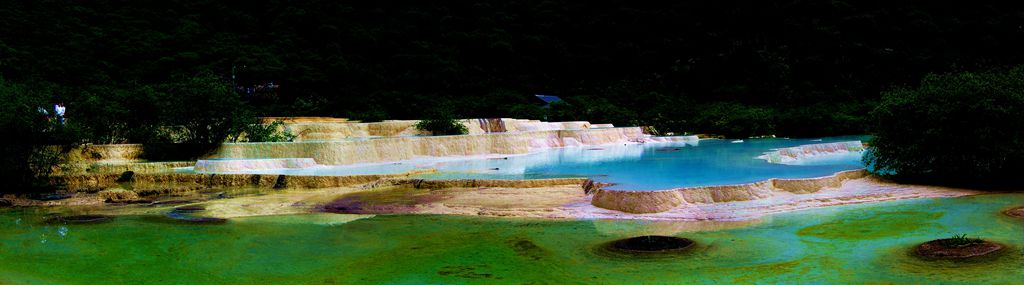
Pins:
x: 957, y: 247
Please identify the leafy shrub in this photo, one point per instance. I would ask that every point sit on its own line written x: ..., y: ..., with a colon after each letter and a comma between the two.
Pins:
x: 35, y: 143
x: 442, y: 127
x: 824, y: 119
x: 205, y: 108
x: 527, y: 111
x: 964, y: 129
x: 594, y: 109
x: 960, y: 240
x: 273, y: 132
x: 370, y: 115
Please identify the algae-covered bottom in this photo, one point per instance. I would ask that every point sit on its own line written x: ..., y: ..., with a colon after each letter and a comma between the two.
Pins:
x: 844, y: 244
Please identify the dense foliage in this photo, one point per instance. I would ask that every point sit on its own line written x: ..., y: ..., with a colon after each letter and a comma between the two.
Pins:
x: 442, y: 126
x: 272, y: 132
x: 181, y: 118
x: 808, y: 67
x: 952, y: 128
x: 24, y: 156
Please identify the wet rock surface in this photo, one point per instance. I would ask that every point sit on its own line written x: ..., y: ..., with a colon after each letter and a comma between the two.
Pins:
x: 117, y: 195
x: 357, y: 205
x: 391, y: 201
x: 946, y: 249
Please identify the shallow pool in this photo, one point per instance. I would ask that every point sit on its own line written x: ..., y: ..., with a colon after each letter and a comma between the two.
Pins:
x: 867, y: 243
x: 650, y: 166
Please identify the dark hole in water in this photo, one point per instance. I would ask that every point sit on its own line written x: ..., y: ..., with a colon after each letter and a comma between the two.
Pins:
x: 651, y: 244
x: 78, y: 219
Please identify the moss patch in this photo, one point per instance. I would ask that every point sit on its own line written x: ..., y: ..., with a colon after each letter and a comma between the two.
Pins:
x: 872, y: 225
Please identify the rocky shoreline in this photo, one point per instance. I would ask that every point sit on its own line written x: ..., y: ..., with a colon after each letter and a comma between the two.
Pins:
x: 550, y: 198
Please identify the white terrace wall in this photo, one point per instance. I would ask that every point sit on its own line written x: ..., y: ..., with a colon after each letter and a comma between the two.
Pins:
x: 386, y: 148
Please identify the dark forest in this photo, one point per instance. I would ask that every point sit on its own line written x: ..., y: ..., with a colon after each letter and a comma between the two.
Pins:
x: 738, y: 68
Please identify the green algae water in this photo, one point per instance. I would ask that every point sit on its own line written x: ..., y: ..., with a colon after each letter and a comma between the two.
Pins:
x: 864, y: 243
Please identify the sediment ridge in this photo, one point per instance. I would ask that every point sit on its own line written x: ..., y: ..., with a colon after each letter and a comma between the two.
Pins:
x: 328, y: 130
x: 157, y: 183
x: 162, y: 182
x: 226, y: 165
x: 791, y: 155
x: 391, y: 148
x: 665, y: 200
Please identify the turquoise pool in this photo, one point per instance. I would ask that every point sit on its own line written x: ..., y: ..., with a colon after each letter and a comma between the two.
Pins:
x: 650, y: 166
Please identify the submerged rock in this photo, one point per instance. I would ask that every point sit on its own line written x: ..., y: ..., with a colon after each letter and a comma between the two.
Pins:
x: 361, y: 205
x: 53, y: 196
x: 172, y: 202
x: 186, y: 218
x: 390, y: 201
x: 118, y: 195
x: 199, y: 220
x: 669, y: 149
x: 78, y: 219
x: 948, y: 249
x: 1017, y: 212
x: 590, y: 186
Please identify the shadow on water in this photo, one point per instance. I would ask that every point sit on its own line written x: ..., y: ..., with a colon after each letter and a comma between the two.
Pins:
x: 527, y: 249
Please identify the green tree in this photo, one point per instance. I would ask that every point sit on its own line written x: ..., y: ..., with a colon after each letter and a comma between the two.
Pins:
x: 442, y: 122
x: 734, y: 120
x: 35, y: 137
x: 202, y: 109
x: 959, y: 128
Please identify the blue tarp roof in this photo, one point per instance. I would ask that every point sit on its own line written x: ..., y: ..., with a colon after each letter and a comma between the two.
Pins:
x: 548, y: 98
